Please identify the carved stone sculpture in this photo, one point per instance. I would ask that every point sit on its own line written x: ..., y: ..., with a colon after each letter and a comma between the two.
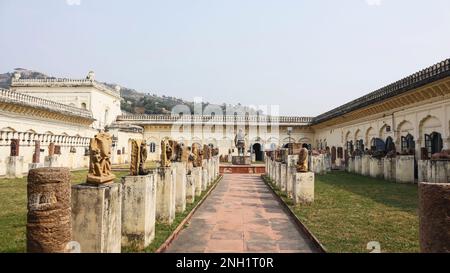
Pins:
x: 166, y: 153
x: 302, y: 164
x: 49, y: 227
x: 15, y: 144
x: 239, y: 142
x: 138, y: 157
x: 100, y: 160
x: 206, y: 152
x: 57, y: 150
x: 197, y: 154
x: 51, y: 149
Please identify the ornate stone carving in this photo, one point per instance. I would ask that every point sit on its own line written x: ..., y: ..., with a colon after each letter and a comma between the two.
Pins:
x: 138, y: 157
x: 166, y: 153
x: 49, y: 215
x: 100, y: 159
x: 15, y: 144
x: 302, y: 165
x: 197, y: 157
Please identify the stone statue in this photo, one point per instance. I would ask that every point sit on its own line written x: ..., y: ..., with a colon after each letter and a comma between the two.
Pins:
x: 138, y: 157
x: 302, y: 164
x: 15, y: 144
x: 166, y: 153
x: 196, y: 159
x: 215, y: 151
x: 51, y: 149
x: 239, y: 142
x: 206, y: 152
x: 100, y: 159
x: 185, y: 153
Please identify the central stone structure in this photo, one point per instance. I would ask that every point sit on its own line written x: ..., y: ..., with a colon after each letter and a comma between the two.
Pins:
x: 239, y: 142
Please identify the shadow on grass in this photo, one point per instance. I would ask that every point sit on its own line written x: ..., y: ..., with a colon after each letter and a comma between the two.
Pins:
x: 401, y: 196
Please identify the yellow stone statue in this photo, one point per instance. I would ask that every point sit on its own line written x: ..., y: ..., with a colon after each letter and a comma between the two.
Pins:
x: 302, y: 165
x: 100, y: 160
x: 138, y: 157
x: 166, y: 153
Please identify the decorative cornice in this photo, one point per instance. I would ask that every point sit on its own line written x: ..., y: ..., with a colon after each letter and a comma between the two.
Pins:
x: 426, y: 76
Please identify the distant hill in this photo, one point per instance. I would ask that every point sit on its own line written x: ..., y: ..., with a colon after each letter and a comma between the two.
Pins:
x: 134, y: 102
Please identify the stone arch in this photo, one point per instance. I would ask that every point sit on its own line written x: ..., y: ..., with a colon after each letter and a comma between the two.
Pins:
x: 286, y: 140
x: 8, y: 129
x: 305, y: 140
x: 429, y: 124
x: 370, y: 134
x: 404, y: 128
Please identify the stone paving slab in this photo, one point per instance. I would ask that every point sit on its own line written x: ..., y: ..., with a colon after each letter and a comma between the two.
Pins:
x: 241, y: 215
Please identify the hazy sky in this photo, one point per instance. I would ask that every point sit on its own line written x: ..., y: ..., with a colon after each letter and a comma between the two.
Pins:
x: 307, y: 56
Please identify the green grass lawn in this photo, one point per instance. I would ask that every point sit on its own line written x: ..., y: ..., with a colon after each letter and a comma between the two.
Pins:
x: 351, y: 210
x: 13, y: 210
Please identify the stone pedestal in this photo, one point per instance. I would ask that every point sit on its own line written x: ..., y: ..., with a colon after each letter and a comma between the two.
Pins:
x: 423, y: 167
x: 272, y: 170
x: 291, y: 171
x: 14, y: 167
x: 278, y: 174
x: 376, y: 168
x: 317, y: 164
x: 205, y: 179
x: 434, y: 220
x: 304, y: 188
x: 358, y: 165
x: 138, y: 210
x: 52, y: 161
x: 32, y: 166
x: 165, y: 195
x: 190, y: 189
x: 439, y: 171
x: 49, y: 227
x: 283, y: 177
x: 180, y: 181
x: 327, y: 163
x: 351, y: 165
x: 365, y: 165
x: 197, y: 177
x: 404, y: 169
x: 97, y: 217
x: 389, y: 168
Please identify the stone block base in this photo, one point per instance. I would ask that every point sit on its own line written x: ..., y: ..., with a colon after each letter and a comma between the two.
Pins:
x: 190, y: 189
x: 97, y: 217
x: 304, y: 188
x: 165, y: 195
x: 14, y: 167
x: 197, y: 177
x: 52, y: 161
x: 404, y: 169
x: 180, y: 181
x: 138, y: 210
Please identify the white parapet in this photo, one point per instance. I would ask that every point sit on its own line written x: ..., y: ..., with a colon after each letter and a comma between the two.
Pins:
x: 165, y: 195
x: 14, y: 167
x: 138, y: 210
x: 97, y: 217
x: 404, y: 169
x: 180, y: 185
x: 196, y: 174
x: 365, y: 165
x: 376, y: 168
x: 304, y: 188
x: 283, y: 177
x: 190, y: 189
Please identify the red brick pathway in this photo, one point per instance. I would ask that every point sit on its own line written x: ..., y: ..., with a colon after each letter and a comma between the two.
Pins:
x: 241, y: 215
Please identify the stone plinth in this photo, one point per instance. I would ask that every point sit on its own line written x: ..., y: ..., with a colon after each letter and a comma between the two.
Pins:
x: 439, y: 171
x: 180, y: 181
x: 241, y: 160
x: 404, y: 169
x: 351, y: 165
x: 317, y: 164
x: 423, y: 167
x: 49, y: 227
x: 278, y: 174
x: 327, y: 163
x: 376, y: 168
x: 32, y: 166
x: 358, y: 165
x: 196, y: 174
x: 165, y: 195
x: 14, y: 167
x: 205, y: 179
x: 190, y: 189
x: 389, y: 165
x: 365, y: 165
x: 52, y: 161
x: 273, y: 171
x: 138, y: 210
x: 97, y: 217
x: 304, y: 188
x: 434, y: 220
x: 291, y: 171
x: 283, y: 177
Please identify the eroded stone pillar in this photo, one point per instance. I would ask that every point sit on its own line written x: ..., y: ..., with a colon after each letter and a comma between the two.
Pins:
x: 389, y: 165
x: 434, y: 219
x: 439, y: 171
x: 97, y: 217
x: 365, y: 165
x: 358, y: 165
x: 304, y: 188
x: 165, y: 195
x: 376, y: 168
x: 49, y: 227
x: 138, y: 210
x: 423, y: 167
x: 404, y: 169
x: 283, y: 177
x: 197, y: 177
x: 14, y: 167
